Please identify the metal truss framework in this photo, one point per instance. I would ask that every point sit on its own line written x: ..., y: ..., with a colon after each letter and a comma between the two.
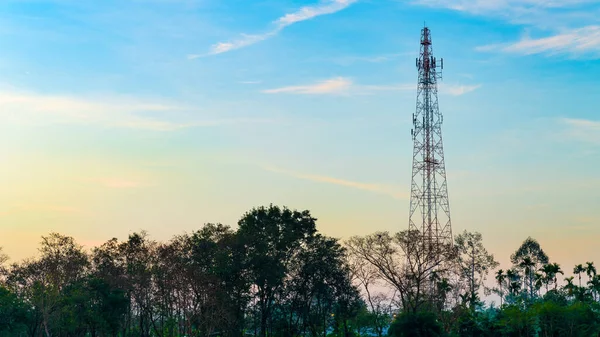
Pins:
x: 429, y: 207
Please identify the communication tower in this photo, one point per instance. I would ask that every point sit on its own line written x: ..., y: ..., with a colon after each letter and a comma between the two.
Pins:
x: 429, y: 207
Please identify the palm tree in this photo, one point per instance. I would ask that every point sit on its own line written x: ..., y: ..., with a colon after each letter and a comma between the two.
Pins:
x: 527, y: 264
x: 569, y: 286
x: 500, y: 277
x: 555, y: 268
x: 539, y: 282
x: 590, y: 270
x: 443, y: 287
x: 513, y: 279
x: 578, y: 270
x: 548, y: 274
x: 594, y: 284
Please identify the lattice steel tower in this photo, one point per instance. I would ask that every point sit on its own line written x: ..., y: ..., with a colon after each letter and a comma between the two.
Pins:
x: 429, y: 206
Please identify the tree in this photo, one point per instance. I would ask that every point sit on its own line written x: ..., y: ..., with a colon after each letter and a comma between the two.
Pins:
x: 212, y: 268
x: 590, y: 270
x: 318, y: 283
x: 14, y: 314
x: 529, y: 257
x: 278, y: 276
x: 107, y: 306
x: 547, y: 275
x: 474, y: 262
x: 3, y: 260
x: 594, y: 285
x: 515, y: 320
x: 569, y: 287
x: 500, y: 278
x: 25, y: 279
x: 271, y: 236
x: 550, y: 272
x: 231, y: 269
x: 365, y: 274
x: 404, y: 264
x: 416, y: 324
x: 578, y: 270
x: 109, y: 273
x: 528, y: 266
x: 138, y: 254
x: 514, y: 281
x: 62, y: 262
x: 554, y: 271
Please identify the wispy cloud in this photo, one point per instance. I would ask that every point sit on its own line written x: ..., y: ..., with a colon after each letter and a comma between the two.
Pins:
x: 582, y: 130
x: 376, y: 188
x: 510, y: 9
x: 569, y: 25
x: 345, y: 86
x: 338, y: 85
x: 309, y: 12
x: 243, y: 41
x: 25, y: 107
x: 575, y: 41
x: 458, y: 89
x: 303, y: 14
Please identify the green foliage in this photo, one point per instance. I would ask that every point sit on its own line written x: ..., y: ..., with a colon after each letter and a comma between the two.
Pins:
x: 561, y: 319
x: 419, y: 324
x: 527, y: 259
x: 470, y: 324
x: 514, y: 320
x: 274, y: 275
x: 14, y: 315
x: 277, y: 276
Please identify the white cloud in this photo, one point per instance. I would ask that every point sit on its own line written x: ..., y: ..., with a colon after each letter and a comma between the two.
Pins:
x: 337, y: 85
x: 584, y: 130
x: 583, y: 123
x: 32, y: 108
x: 309, y: 12
x: 243, y: 41
x: 303, y: 14
x: 570, y: 26
x: 345, y: 86
x: 575, y: 41
x: 457, y: 90
x: 377, y: 188
x: 504, y: 8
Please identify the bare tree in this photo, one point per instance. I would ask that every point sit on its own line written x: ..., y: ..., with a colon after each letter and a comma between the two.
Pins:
x: 474, y: 263
x: 403, y: 262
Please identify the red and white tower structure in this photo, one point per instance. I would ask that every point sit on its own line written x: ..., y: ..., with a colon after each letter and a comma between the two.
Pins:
x: 429, y: 206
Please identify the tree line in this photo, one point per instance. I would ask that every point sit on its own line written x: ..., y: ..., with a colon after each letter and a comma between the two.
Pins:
x: 275, y: 275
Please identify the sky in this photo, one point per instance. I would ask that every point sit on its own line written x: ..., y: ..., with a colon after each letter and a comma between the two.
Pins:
x: 163, y: 115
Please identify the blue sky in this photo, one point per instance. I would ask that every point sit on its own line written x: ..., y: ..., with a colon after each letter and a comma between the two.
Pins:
x: 165, y: 114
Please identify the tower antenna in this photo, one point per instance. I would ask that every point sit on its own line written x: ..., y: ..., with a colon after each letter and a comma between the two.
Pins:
x: 429, y: 207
